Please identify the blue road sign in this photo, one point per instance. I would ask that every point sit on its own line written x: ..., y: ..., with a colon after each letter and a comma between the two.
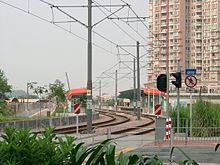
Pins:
x: 190, y: 72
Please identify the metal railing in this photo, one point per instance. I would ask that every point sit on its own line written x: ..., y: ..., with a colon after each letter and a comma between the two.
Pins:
x: 199, y: 130
x: 45, y: 122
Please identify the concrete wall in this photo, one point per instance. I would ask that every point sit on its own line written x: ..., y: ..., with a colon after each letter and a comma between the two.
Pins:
x: 41, y: 123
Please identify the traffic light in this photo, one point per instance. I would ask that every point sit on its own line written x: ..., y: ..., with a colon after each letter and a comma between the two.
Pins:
x: 178, y: 82
x: 162, y: 82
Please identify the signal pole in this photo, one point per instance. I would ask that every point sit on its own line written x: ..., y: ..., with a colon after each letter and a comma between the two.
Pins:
x: 178, y: 103
x: 167, y: 60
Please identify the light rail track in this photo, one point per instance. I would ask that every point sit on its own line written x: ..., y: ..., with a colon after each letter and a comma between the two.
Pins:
x: 118, y: 121
x: 115, y: 120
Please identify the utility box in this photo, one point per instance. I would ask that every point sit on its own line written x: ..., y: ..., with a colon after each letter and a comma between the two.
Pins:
x: 160, y: 129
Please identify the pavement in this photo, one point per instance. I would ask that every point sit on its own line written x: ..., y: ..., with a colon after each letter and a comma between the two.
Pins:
x: 201, y: 151
x: 202, y: 155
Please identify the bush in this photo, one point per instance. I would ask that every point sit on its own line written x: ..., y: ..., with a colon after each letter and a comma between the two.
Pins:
x: 205, y: 118
x: 4, y: 111
x: 59, y: 110
x: 22, y: 147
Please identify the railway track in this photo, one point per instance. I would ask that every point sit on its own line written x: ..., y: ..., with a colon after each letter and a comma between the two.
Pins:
x: 119, y: 122
x: 114, y: 120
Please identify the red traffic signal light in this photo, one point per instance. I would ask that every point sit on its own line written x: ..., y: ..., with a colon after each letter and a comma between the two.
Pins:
x: 162, y: 82
x: 178, y: 82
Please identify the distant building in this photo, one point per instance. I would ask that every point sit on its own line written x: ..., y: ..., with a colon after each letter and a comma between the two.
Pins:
x: 28, y: 100
x: 194, y: 40
x: 12, y: 100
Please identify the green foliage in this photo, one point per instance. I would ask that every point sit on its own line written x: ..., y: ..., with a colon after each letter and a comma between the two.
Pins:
x: 153, y: 160
x: 40, y: 90
x: 183, y: 118
x: 56, y: 90
x: 12, y: 118
x: 81, y: 99
x: 205, y: 118
x: 59, y: 110
x: 4, y: 86
x: 4, y: 111
x: 110, y: 102
x: 22, y: 147
x: 183, y: 113
x: 216, y: 147
x: 188, y: 161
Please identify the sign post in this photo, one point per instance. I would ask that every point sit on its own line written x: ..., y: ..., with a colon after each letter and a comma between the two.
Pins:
x: 76, y: 109
x: 190, y: 114
x: 190, y: 82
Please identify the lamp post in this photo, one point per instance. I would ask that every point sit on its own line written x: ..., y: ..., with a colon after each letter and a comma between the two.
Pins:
x: 29, y: 85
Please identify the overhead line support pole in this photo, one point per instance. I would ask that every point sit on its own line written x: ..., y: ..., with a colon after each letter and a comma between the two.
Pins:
x: 138, y: 85
x: 116, y: 90
x: 89, y: 78
x: 134, y: 96
x: 100, y: 95
x: 67, y: 79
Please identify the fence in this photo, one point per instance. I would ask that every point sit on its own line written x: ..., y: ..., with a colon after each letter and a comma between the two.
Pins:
x: 41, y: 123
x: 198, y: 130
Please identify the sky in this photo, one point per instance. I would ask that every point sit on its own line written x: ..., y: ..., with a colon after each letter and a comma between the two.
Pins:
x: 32, y: 49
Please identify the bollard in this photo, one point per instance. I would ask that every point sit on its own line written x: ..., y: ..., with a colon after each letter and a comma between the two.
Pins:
x: 93, y: 139
x: 171, y: 137
x: 108, y: 133
x: 171, y: 143
x: 187, y: 132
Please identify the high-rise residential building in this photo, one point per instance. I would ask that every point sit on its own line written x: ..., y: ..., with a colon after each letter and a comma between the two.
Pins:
x: 193, y: 40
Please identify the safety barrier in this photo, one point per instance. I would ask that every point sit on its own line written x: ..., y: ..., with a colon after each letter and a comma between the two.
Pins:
x: 168, y: 127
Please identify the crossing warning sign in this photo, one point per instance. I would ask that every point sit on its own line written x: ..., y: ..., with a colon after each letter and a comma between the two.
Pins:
x: 76, y: 108
x: 157, y: 109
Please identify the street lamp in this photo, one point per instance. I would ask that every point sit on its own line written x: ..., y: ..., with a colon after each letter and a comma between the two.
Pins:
x: 29, y: 85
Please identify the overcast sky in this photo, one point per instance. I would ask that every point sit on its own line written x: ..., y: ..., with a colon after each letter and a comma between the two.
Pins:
x: 35, y: 50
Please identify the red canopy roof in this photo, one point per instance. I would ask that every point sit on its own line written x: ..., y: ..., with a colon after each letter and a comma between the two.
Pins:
x: 153, y: 91
x: 76, y: 92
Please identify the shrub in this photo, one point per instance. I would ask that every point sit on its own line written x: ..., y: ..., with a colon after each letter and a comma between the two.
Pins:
x: 4, y: 111
x: 22, y: 147
x: 205, y: 118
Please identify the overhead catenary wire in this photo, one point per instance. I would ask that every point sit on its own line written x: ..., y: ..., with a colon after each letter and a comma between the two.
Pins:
x: 54, y: 6
x: 69, y: 31
x: 51, y: 5
x: 48, y: 21
x: 118, y: 25
x: 98, y: 34
x: 122, y: 77
x: 142, y: 22
x: 126, y: 23
x: 129, y: 24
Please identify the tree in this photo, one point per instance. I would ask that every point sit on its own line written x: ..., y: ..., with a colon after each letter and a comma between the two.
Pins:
x: 40, y: 90
x: 4, y: 86
x: 56, y: 90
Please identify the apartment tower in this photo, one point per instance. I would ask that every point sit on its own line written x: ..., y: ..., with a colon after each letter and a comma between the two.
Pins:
x: 193, y: 40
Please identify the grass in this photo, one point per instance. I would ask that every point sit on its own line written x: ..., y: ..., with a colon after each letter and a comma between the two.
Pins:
x: 59, y: 110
